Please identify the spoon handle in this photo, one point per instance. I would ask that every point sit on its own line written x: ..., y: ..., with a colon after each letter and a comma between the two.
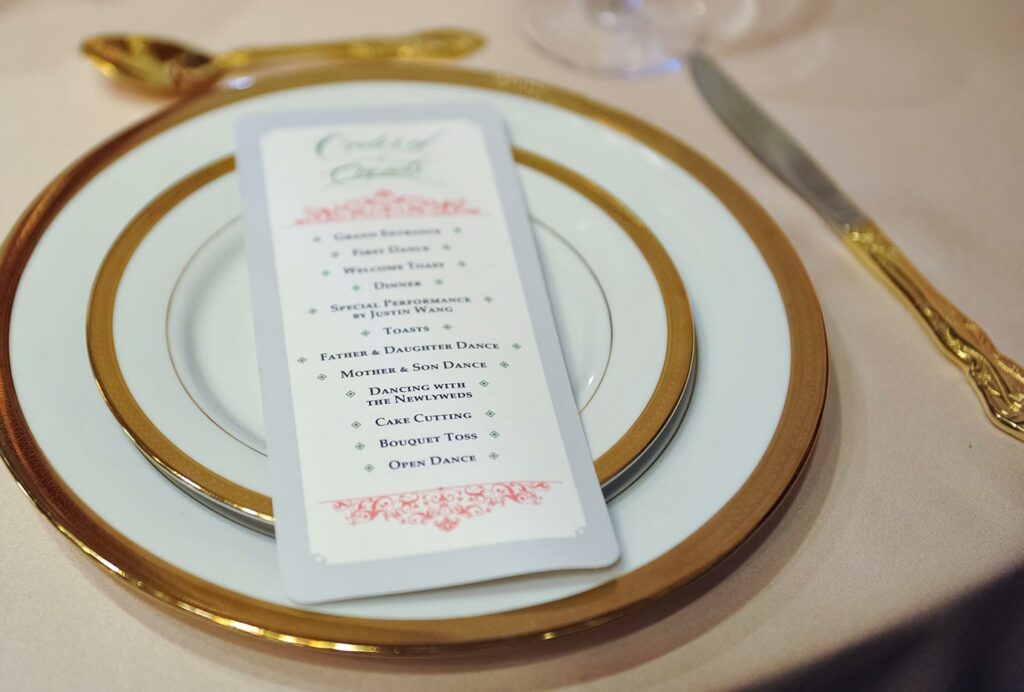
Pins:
x: 434, y: 43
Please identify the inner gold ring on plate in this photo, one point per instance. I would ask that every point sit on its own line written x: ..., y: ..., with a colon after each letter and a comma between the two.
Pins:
x: 193, y: 474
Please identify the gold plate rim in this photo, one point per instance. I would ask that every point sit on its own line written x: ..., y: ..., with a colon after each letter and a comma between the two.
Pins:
x: 774, y: 474
x: 673, y: 378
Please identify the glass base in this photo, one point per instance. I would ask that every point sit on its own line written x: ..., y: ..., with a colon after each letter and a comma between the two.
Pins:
x: 622, y: 37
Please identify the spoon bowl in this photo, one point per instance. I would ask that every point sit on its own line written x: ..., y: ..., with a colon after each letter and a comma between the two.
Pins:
x: 156, y: 65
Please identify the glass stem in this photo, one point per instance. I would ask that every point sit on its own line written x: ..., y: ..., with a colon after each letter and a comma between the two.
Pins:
x: 618, y: 9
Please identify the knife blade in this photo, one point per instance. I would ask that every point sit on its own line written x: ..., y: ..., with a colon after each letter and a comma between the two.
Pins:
x: 773, y: 145
x: 997, y: 380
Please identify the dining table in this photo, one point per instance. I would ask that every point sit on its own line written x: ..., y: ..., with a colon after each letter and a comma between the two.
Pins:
x: 910, y: 499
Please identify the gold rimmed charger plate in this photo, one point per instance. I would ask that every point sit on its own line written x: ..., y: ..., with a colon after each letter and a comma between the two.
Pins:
x: 763, y: 489
x: 253, y: 508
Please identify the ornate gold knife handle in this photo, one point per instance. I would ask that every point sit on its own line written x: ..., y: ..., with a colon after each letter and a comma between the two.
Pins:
x: 998, y: 380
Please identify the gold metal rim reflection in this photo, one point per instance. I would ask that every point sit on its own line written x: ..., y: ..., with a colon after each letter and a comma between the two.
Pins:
x: 746, y: 510
x: 172, y: 460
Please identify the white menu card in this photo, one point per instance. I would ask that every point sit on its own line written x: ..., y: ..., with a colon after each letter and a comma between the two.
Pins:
x: 420, y: 424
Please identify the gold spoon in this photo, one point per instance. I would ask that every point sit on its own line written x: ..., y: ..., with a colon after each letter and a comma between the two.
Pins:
x: 167, y: 68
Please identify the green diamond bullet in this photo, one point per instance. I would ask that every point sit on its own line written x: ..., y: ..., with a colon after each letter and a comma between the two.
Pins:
x: 356, y: 424
x: 326, y: 272
x: 335, y: 254
x: 355, y: 287
x: 484, y: 383
x: 301, y: 359
x: 368, y: 467
x: 321, y: 377
x: 495, y: 434
x: 316, y: 239
x: 312, y: 311
x: 516, y: 346
x: 493, y: 455
x: 360, y: 446
x: 490, y: 414
x: 365, y: 332
x: 488, y: 299
x: 350, y: 394
x: 438, y: 281
x: 457, y: 229
x: 446, y: 246
x: 446, y: 326
x: 461, y: 263
x: 503, y: 364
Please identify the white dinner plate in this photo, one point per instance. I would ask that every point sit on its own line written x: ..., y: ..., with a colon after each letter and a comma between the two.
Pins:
x: 755, y: 407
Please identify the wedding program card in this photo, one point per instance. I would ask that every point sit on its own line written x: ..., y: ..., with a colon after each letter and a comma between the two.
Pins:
x: 420, y: 424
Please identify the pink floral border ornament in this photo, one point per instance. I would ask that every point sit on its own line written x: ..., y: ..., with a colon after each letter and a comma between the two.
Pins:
x: 445, y: 508
x: 386, y: 204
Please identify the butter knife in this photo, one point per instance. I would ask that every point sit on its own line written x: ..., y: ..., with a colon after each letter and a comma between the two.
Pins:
x: 998, y: 381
